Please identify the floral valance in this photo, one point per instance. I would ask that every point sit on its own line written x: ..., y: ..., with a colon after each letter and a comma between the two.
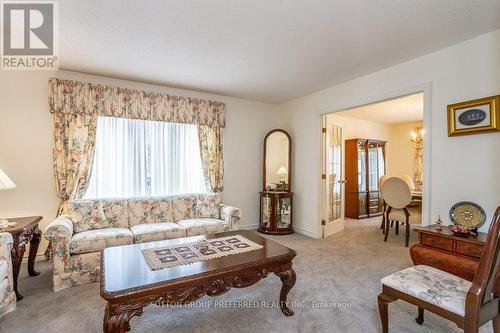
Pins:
x: 67, y: 96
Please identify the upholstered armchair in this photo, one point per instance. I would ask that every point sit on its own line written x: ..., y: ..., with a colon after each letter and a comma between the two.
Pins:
x: 7, y: 294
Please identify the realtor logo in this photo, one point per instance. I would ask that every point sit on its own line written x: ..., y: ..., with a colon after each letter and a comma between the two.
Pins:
x: 29, y: 35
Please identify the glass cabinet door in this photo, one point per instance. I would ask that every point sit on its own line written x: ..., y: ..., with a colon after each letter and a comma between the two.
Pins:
x: 376, y: 165
x: 361, y: 167
x: 372, y: 167
x: 381, y: 161
x: 283, y: 212
x: 265, y: 219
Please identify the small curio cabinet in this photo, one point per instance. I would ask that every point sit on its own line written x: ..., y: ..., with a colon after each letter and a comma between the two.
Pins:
x: 276, y: 198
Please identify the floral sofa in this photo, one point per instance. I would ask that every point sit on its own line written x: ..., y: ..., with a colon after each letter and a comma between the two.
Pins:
x: 92, y: 225
x: 7, y: 294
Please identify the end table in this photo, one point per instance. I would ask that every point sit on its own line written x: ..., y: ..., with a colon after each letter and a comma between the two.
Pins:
x: 26, y: 230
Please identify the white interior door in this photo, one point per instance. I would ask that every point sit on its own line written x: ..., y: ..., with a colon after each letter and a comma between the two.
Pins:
x: 332, y: 178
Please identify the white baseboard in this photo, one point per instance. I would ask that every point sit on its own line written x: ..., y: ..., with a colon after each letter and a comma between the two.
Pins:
x: 305, y: 232
x: 249, y: 227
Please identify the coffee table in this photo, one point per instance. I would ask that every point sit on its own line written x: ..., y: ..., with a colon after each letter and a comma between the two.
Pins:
x: 128, y: 284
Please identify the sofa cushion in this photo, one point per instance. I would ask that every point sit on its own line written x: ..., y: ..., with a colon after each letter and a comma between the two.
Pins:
x: 184, y: 207
x: 150, y: 232
x: 116, y: 212
x: 432, y: 286
x: 208, y: 205
x: 98, y: 240
x: 87, y: 215
x: 203, y: 226
x: 164, y: 210
x: 154, y: 210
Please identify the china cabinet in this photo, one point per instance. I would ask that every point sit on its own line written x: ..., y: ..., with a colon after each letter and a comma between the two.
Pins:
x: 364, y: 165
x: 276, y: 198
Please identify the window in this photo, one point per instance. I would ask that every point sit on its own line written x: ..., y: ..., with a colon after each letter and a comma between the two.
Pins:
x: 138, y: 158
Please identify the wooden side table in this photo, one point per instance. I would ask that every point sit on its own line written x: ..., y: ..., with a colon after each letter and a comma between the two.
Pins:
x: 443, y: 250
x: 26, y: 230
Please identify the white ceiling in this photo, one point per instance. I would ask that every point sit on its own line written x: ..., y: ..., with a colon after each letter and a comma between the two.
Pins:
x: 395, y: 111
x: 266, y: 50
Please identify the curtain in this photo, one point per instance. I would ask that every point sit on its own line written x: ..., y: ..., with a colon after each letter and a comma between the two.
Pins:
x: 67, y: 96
x: 175, y: 160
x: 76, y: 107
x: 119, y: 168
x: 212, y: 159
x: 74, y: 142
x: 136, y: 158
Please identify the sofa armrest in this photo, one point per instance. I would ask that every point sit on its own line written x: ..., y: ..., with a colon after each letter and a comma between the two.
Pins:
x: 59, y: 233
x: 61, y: 227
x: 6, y: 242
x: 230, y: 215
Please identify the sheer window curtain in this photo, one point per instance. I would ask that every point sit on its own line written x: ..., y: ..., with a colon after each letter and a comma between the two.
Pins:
x: 138, y: 158
x: 175, y: 159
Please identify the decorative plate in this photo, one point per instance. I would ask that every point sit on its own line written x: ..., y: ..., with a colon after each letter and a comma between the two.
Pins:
x: 467, y: 214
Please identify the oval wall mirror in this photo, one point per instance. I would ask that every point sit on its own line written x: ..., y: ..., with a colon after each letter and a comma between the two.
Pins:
x: 277, y: 155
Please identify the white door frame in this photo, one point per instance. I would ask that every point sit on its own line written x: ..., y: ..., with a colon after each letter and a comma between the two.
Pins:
x: 425, y: 88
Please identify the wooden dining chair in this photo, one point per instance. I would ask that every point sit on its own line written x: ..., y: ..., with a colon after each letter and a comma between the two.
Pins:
x: 409, y: 181
x: 468, y: 304
x: 381, y: 181
x: 397, y: 196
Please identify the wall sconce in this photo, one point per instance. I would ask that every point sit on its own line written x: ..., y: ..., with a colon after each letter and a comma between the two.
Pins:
x: 417, y: 135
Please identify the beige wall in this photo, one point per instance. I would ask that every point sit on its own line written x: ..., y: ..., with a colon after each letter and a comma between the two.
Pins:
x: 26, y: 144
x: 461, y: 168
x: 358, y: 128
x: 402, y: 153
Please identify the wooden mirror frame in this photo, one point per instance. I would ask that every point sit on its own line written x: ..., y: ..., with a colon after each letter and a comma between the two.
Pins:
x: 289, y: 189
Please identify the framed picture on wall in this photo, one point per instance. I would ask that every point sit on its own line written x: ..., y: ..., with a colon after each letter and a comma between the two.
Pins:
x: 474, y: 117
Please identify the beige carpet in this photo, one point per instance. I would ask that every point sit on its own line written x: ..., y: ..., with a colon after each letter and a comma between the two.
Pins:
x: 336, y: 291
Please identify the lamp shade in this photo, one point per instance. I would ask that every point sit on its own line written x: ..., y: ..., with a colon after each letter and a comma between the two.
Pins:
x: 282, y: 171
x: 5, y: 182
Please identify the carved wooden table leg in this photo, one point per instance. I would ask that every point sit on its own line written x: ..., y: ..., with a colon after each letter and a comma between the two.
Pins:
x: 288, y: 278
x: 17, y: 257
x: 25, y: 230
x: 35, y: 240
x: 117, y: 318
